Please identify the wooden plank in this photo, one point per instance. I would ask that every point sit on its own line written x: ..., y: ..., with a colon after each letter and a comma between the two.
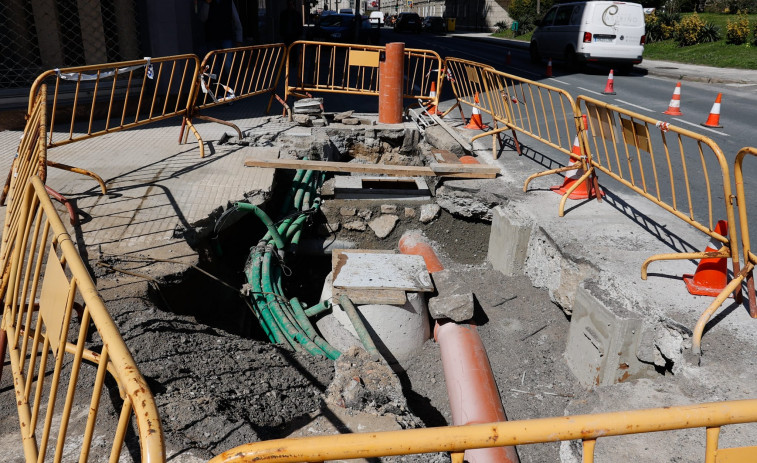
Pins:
x: 337, y: 262
x: 383, y: 271
x: 435, y: 170
x: 445, y: 156
x: 372, y: 296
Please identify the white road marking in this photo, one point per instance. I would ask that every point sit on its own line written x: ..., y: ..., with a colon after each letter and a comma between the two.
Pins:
x: 590, y: 91
x: 635, y: 105
x: 702, y: 127
x: 557, y: 80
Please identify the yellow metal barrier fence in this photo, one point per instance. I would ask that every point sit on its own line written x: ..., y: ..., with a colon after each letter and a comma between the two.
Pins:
x: 457, y: 439
x: 660, y: 162
x: 354, y: 69
x: 230, y: 74
x: 469, y: 85
x: 540, y: 111
x: 88, y: 101
x: 750, y: 259
x: 48, y: 283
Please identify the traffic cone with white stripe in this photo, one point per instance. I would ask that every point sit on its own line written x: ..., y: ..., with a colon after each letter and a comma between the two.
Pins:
x: 549, y: 68
x: 674, y: 108
x: 711, y: 276
x: 610, y: 86
x: 714, y: 119
x: 584, y: 190
x: 476, y: 123
x: 431, y: 108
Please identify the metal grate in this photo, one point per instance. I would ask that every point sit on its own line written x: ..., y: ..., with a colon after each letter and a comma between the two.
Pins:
x: 37, y: 35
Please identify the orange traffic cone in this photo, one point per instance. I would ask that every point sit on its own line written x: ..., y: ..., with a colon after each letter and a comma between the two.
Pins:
x: 475, y: 120
x: 674, y: 108
x: 711, y: 276
x: 610, y: 86
x: 549, y: 68
x: 714, y: 119
x: 584, y: 190
x: 431, y: 108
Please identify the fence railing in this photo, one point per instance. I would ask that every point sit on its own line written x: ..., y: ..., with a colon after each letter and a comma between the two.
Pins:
x: 231, y: 74
x: 540, y: 111
x: 89, y: 101
x: 30, y: 160
x: 661, y: 162
x: 456, y: 439
x: 469, y: 85
x: 750, y: 259
x: 50, y: 351
x: 354, y: 69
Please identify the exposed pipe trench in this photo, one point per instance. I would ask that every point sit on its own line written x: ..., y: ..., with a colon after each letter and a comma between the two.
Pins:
x: 471, y: 388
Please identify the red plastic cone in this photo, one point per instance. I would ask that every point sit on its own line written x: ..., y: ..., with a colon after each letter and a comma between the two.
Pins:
x: 714, y: 119
x: 674, y: 108
x: 584, y: 190
x: 610, y: 86
x: 711, y: 276
x: 476, y: 123
x: 549, y: 68
x: 431, y: 108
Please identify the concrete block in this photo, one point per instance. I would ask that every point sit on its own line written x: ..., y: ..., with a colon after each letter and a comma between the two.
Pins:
x: 355, y: 225
x: 458, y: 307
x: 429, y: 212
x: 440, y: 138
x: 388, y: 208
x: 508, y: 242
x: 603, y: 339
x: 383, y: 225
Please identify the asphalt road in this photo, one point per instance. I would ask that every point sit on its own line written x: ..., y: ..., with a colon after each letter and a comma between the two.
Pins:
x: 648, y: 95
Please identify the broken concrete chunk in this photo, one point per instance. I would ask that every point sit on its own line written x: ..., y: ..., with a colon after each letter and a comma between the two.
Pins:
x: 319, y: 122
x: 382, y: 226
x: 458, y: 307
x: 365, y: 214
x: 350, y: 121
x: 355, y: 225
x: 440, y: 138
x: 409, y: 212
x: 347, y: 211
x: 302, y: 119
x: 429, y: 212
x: 338, y: 117
x: 308, y: 106
x: 388, y: 208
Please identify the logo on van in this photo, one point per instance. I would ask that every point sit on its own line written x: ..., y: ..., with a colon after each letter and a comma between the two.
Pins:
x: 609, y: 16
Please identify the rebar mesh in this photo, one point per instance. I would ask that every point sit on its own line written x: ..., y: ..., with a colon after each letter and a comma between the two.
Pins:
x: 37, y: 35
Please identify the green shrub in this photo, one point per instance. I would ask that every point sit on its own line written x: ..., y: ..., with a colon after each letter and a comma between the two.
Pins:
x: 689, y: 30
x: 710, y: 33
x: 524, y: 11
x: 737, y: 32
x: 660, y: 26
x: 501, y: 27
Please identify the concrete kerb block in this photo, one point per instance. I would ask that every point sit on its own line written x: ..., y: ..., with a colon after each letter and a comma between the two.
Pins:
x: 508, y: 242
x: 603, y: 340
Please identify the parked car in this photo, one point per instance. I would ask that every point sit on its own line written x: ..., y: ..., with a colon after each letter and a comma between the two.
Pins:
x: 341, y: 28
x: 594, y: 31
x: 377, y: 17
x: 434, y: 25
x: 408, y: 22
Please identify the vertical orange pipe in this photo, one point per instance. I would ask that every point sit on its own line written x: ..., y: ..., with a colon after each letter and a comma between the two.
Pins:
x: 391, y: 75
x: 471, y: 387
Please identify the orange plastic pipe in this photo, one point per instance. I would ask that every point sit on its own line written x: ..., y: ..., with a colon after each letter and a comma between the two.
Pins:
x: 391, y: 74
x: 414, y: 243
x: 471, y: 388
x: 468, y: 160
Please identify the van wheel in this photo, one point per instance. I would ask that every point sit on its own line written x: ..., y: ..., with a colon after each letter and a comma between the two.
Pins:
x: 571, y: 60
x: 534, y: 52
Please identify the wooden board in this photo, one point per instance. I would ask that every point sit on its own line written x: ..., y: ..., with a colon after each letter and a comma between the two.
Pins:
x: 434, y: 170
x: 364, y: 296
x: 383, y: 271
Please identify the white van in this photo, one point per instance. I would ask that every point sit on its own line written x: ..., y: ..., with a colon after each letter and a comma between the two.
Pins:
x: 588, y: 32
x: 377, y: 18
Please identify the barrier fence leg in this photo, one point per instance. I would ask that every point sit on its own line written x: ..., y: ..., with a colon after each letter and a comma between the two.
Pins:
x: 3, y: 339
x: 391, y: 74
